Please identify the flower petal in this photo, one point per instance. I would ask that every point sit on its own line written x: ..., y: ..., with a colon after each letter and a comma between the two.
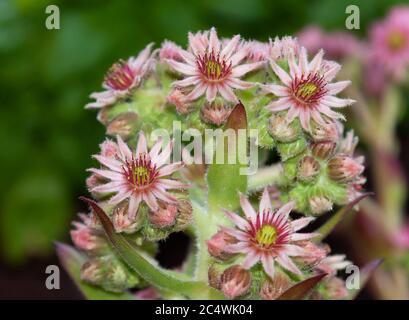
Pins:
x: 301, y: 223
x: 247, y: 208
x: 242, y: 69
x: 112, y: 175
x: 287, y: 263
x: 134, y: 202
x: 182, y: 67
x: 268, y: 264
x: 141, y: 147
x: 265, y: 202
x: 111, y: 163
x: 227, y: 93
x: 251, y: 259
x: 124, y: 150
x: 284, y: 77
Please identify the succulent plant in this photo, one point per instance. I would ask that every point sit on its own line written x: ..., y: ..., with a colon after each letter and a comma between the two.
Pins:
x: 181, y: 123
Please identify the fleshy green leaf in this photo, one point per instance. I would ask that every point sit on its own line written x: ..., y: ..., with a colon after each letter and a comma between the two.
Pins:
x: 225, y: 180
x: 151, y: 272
x: 327, y: 227
x: 365, y: 274
x: 72, y: 261
x: 302, y: 289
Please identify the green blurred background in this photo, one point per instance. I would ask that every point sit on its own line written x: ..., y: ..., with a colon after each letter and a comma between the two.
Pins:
x: 47, y: 137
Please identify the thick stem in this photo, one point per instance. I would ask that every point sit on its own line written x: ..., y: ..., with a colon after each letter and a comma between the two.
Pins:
x: 269, y: 176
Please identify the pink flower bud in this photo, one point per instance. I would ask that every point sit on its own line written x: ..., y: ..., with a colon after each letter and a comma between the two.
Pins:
x: 215, y: 113
x: 323, y: 149
x: 217, y: 244
x: 93, y: 181
x: 330, y: 132
x: 315, y: 253
x: 178, y: 99
x: 308, y: 169
x: 320, y: 204
x: 84, y: 238
x: 92, y: 271
x: 164, y: 217
x: 272, y: 289
x: 344, y: 168
x: 170, y: 50
x: 108, y: 148
x: 123, y: 125
x: 235, y: 281
x: 121, y: 220
x: 336, y: 289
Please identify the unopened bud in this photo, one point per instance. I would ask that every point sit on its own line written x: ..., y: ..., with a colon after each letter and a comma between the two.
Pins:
x: 216, y: 245
x: 93, y: 181
x: 323, y: 149
x: 315, y: 253
x: 215, y: 112
x: 335, y: 289
x: 281, y: 130
x: 178, y: 99
x: 344, y: 168
x: 92, y: 271
x: 330, y: 132
x: 272, y: 289
x: 84, y: 238
x: 164, y: 217
x: 123, y: 125
x: 185, y: 216
x: 320, y: 205
x: 308, y: 169
x: 214, y: 276
x: 235, y: 281
x: 108, y: 148
x: 121, y: 220
x: 109, y: 273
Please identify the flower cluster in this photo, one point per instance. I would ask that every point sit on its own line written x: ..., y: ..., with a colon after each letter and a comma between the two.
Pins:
x: 289, y: 98
x: 268, y: 239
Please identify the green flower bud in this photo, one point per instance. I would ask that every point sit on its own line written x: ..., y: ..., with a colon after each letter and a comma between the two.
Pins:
x: 109, y: 273
x: 292, y: 149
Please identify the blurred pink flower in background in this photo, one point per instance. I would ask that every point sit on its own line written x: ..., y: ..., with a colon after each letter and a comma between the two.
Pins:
x: 389, y: 41
x: 401, y: 238
x: 337, y: 45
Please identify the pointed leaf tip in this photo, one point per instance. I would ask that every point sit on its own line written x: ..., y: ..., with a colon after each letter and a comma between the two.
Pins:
x: 237, y: 118
x: 302, y: 289
x: 366, y: 272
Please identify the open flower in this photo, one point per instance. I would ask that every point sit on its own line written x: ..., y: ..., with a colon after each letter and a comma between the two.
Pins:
x: 389, y: 41
x: 121, y: 78
x: 211, y: 67
x: 306, y: 91
x: 268, y: 235
x: 139, y: 176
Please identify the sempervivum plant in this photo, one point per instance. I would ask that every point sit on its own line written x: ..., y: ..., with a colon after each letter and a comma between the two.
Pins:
x: 254, y: 231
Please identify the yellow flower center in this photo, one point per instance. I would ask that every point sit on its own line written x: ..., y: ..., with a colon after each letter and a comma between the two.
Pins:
x: 396, y: 41
x: 141, y: 175
x: 214, y: 69
x: 306, y: 91
x: 267, y: 235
